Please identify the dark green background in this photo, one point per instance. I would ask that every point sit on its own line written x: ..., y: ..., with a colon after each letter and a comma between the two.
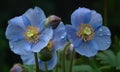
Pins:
x: 61, y: 8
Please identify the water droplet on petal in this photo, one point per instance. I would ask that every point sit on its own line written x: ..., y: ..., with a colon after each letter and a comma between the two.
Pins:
x: 11, y: 46
x: 108, y: 42
x: 100, y: 29
x: 62, y: 37
x: 108, y: 33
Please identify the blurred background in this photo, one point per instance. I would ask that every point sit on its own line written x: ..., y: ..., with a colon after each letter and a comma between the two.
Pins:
x: 63, y: 9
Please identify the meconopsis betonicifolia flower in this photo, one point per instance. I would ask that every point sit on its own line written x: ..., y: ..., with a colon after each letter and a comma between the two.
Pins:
x: 57, y: 42
x: 48, y: 54
x: 26, y: 33
x: 87, y: 33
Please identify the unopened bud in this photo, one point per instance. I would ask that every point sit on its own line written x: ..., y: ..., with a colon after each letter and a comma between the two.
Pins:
x: 16, y: 68
x: 53, y: 21
x: 45, y: 54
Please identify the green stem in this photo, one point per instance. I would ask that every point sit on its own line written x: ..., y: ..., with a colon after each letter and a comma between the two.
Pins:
x: 71, y: 60
x: 105, y: 12
x: 56, y: 70
x: 45, y: 65
x: 36, y: 62
x: 63, y: 56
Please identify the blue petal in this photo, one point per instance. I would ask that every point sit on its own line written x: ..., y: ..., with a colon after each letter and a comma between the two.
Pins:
x: 26, y: 21
x: 28, y: 59
x: 20, y: 47
x: 59, y: 44
x: 88, y: 49
x: 59, y: 32
x: 96, y: 19
x: 73, y: 38
x: 41, y: 26
x: 102, y: 38
x: 59, y: 37
x: 80, y: 16
x: 35, y: 16
x: 15, y: 29
x: 50, y: 64
x: 44, y: 38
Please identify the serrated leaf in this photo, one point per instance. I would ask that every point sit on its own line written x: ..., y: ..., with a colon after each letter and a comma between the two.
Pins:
x: 107, y: 57
x: 118, y: 61
x: 105, y: 67
x: 82, y: 68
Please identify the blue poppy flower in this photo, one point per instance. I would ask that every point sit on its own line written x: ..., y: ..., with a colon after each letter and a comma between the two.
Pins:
x: 57, y: 42
x: 26, y: 33
x: 87, y: 33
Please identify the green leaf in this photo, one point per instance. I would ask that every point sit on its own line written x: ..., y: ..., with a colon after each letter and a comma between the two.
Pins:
x: 107, y: 57
x: 105, y: 67
x: 29, y: 68
x: 118, y: 61
x: 82, y: 68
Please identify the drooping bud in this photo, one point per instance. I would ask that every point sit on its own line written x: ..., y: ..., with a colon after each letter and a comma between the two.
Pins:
x: 45, y: 54
x: 53, y: 21
x: 17, y: 68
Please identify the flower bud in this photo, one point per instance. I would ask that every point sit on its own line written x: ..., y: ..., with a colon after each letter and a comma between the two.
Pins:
x: 45, y: 54
x: 53, y: 21
x: 16, y: 68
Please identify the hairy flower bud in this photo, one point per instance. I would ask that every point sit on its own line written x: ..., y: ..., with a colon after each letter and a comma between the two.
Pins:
x: 53, y: 21
x: 45, y: 54
x: 16, y: 68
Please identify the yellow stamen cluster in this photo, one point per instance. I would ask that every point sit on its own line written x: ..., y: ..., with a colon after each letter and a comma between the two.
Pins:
x: 31, y: 34
x: 85, y: 32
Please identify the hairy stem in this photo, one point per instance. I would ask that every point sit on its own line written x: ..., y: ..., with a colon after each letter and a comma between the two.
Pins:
x: 71, y: 60
x: 63, y: 56
x: 45, y: 65
x: 36, y: 62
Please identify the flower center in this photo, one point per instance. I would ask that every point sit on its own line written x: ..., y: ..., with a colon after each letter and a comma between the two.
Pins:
x: 31, y: 34
x: 85, y: 32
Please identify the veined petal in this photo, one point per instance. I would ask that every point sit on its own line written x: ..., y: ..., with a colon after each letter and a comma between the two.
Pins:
x: 20, y: 47
x: 59, y: 44
x: 73, y: 38
x: 28, y: 59
x: 15, y: 29
x: 41, y: 26
x: 59, y: 32
x: 103, y: 38
x: 35, y: 16
x: 88, y: 48
x: 50, y: 64
x: 59, y: 37
x: 80, y: 16
x: 26, y: 21
x: 96, y: 19
x: 44, y: 38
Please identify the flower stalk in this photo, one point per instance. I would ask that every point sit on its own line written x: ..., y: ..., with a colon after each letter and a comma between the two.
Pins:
x: 45, y: 64
x: 36, y: 62
x: 63, y: 56
x: 71, y: 60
